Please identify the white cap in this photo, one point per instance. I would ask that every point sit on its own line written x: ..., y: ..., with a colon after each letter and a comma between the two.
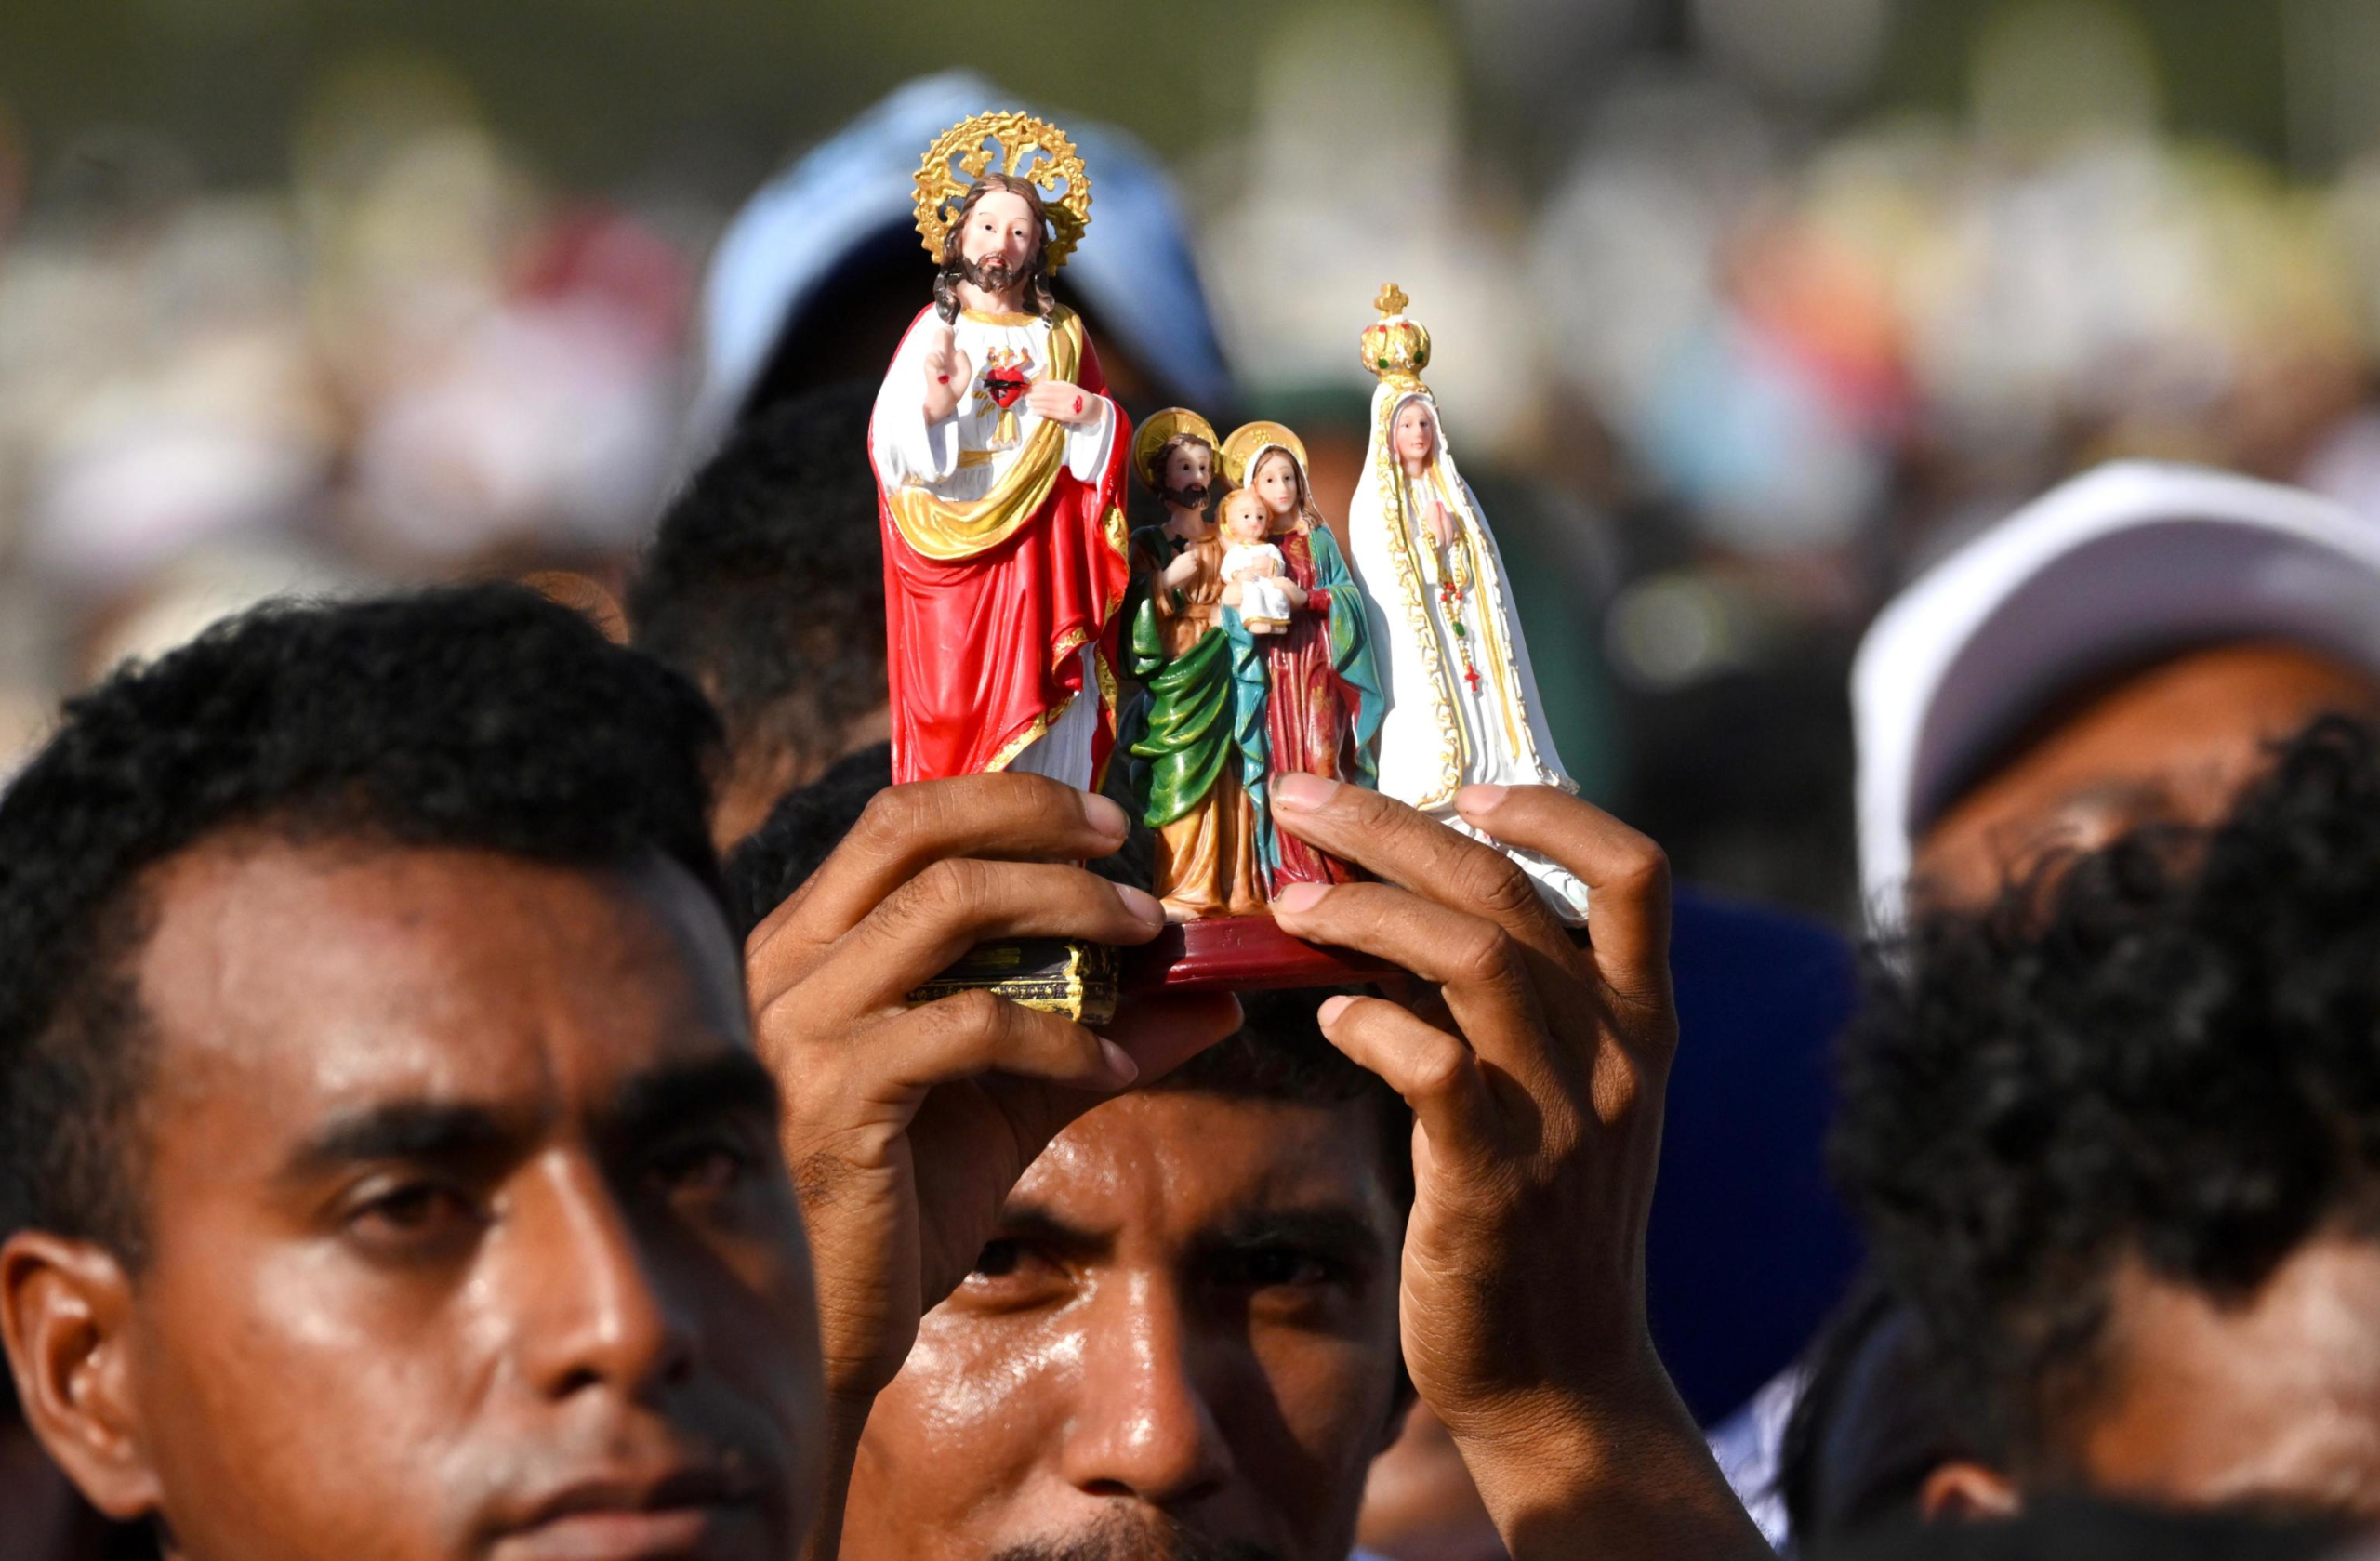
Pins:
x: 2116, y: 565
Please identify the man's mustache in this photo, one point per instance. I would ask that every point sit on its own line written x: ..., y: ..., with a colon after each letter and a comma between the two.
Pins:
x: 1190, y: 495
x: 1120, y: 1539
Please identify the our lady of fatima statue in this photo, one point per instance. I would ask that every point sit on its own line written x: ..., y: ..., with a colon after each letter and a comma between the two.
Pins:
x: 1463, y: 705
x: 999, y: 466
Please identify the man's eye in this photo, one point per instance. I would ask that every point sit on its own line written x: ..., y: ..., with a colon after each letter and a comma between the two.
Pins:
x: 413, y: 1213
x: 706, y: 1166
x: 1266, y: 1266
x: 1014, y: 1272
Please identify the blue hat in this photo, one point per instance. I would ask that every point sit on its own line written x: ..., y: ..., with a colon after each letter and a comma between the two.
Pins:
x: 1134, y: 270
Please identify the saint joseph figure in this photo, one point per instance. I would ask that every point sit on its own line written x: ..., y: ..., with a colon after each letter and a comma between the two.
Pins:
x: 999, y: 465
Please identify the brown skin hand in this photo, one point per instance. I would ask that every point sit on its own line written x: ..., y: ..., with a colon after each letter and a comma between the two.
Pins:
x: 1536, y: 1075
x: 1185, y: 1321
x: 2171, y: 741
x: 467, y: 1231
x: 2273, y: 1403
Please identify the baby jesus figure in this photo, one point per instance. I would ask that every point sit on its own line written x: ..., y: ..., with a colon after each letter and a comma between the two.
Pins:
x: 1253, y: 568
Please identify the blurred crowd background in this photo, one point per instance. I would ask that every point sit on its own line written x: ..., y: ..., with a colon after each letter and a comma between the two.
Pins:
x: 1745, y: 309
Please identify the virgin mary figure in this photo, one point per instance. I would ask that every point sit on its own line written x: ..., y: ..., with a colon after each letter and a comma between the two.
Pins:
x: 1324, y: 705
x: 1462, y: 701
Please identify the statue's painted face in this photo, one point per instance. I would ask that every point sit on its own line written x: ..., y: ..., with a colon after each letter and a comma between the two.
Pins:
x: 999, y: 239
x: 1416, y: 432
x: 1189, y: 471
x: 1243, y: 518
x: 1276, y: 482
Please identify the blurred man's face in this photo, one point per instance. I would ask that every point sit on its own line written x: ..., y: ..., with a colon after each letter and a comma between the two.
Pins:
x: 1182, y: 1344
x: 2270, y: 1402
x: 2173, y: 742
x: 467, y: 1231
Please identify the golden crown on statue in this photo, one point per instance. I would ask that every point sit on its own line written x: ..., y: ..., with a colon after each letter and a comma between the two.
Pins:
x: 1397, y: 349
x: 1016, y: 145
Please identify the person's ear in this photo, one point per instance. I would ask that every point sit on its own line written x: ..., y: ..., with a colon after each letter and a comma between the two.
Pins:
x: 65, y: 1318
x: 1963, y: 1492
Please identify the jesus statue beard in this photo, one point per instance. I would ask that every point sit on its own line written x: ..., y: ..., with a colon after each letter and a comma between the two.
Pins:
x: 992, y: 274
x: 1190, y: 496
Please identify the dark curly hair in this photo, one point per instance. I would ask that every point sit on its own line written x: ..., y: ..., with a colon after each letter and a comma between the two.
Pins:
x: 2164, y: 1053
x: 480, y: 716
x: 765, y: 580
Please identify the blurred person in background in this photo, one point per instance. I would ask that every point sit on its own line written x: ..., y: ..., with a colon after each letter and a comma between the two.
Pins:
x: 764, y: 583
x: 2116, y: 1140
x: 2119, y: 651
x: 1865, y: 1424
x: 387, y: 1169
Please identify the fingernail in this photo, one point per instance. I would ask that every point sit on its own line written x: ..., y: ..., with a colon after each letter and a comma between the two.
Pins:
x: 1300, y: 896
x: 1331, y: 1009
x: 1480, y: 799
x: 1120, y: 1065
x: 1141, y: 903
x: 1103, y: 815
x: 1302, y: 793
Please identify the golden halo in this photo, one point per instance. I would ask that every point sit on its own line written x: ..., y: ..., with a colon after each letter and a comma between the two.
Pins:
x: 1150, y: 437
x: 1249, y: 439
x: 1005, y: 143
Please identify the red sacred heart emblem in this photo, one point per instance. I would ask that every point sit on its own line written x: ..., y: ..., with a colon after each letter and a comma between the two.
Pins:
x: 1004, y: 385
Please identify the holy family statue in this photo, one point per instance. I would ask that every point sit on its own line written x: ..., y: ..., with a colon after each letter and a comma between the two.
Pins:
x: 1385, y: 653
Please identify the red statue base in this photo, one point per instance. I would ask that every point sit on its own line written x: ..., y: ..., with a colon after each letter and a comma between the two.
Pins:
x: 1241, y: 954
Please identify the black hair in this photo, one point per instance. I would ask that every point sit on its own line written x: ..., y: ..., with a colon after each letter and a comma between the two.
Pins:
x: 800, y: 832
x: 2164, y: 1053
x: 483, y: 716
x: 1280, y: 1054
x: 764, y: 582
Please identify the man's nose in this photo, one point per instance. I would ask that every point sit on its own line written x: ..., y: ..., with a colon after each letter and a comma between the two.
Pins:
x: 590, y: 1308
x: 1143, y: 1427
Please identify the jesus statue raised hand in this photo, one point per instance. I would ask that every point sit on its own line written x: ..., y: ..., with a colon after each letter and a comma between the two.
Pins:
x: 999, y: 465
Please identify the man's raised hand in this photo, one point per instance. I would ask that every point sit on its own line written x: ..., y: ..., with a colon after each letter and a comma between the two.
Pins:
x: 1536, y: 1075
x: 905, y: 1128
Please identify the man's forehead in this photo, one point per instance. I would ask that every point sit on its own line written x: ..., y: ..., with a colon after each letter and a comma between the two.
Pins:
x: 2271, y: 1398
x: 1179, y: 1164
x: 321, y: 976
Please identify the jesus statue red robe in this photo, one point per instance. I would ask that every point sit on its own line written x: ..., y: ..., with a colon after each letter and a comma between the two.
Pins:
x: 1005, y: 554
